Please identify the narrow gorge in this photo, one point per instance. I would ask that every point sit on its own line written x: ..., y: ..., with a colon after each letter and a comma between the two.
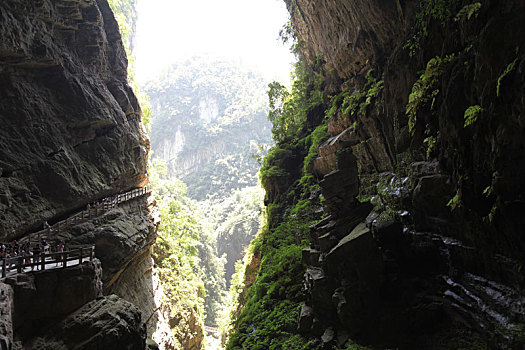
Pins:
x: 375, y: 202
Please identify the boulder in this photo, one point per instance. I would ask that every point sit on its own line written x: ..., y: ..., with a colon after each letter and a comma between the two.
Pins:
x: 310, y: 256
x: 44, y: 297
x: 6, y: 316
x: 356, y: 262
x: 430, y: 198
x: 108, y: 322
x: 306, y: 318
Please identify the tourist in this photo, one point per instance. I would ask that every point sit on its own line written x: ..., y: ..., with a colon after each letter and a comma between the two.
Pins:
x: 45, y: 246
x: 60, y: 249
x: 36, y: 255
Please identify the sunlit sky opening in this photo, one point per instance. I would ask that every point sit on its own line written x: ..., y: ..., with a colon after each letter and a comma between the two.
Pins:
x: 246, y: 31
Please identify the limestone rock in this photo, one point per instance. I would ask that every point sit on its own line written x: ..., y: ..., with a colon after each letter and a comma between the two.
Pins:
x: 6, y: 316
x: 306, y: 318
x: 46, y: 296
x: 430, y: 199
x: 348, y: 34
x: 71, y: 130
x: 358, y: 249
x: 105, y: 323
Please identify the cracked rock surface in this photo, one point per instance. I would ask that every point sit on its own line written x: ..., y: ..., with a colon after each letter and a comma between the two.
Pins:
x: 71, y: 130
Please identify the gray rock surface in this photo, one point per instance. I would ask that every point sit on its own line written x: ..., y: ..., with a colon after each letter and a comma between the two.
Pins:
x: 105, y: 323
x: 44, y: 297
x: 71, y: 129
x: 6, y: 316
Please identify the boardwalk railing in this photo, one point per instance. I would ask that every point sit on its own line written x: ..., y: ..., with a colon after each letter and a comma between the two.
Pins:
x: 211, y: 330
x: 19, y: 263
x: 89, y: 213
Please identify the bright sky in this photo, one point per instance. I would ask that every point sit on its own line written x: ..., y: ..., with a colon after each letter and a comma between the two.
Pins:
x: 243, y: 30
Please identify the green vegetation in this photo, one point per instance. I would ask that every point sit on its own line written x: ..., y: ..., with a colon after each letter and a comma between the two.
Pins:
x: 507, y: 71
x: 350, y: 101
x: 468, y: 11
x: 273, y: 301
x: 425, y: 90
x: 126, y: 16
x: 288, y: 110
x: 213, y: 118
x: 471, y: 115
x: 430, y: 10
x: 456, y: 201
x: 267, y: 317
x: 185, y: 253
x: 234, y: 220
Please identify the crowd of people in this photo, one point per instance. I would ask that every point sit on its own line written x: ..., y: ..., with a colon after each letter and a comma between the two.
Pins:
x: 29, y: 252
x: 32, y: 254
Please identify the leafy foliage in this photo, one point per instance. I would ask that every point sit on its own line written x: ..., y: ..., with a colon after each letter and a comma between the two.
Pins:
x: 213, y: 117
x: 268, y: 316
x: 184, y: 254
x: 471, y: 115
x: 126, y: 16
x: 424, y: 89
x: 507, y: 71
x: 429, y: 10
x: 288, y: 109
x: 468, y: 11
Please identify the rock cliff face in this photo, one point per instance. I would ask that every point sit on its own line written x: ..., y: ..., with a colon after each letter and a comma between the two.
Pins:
x: 422, y: 238
x: 71, y: 129
x: 72, y: 134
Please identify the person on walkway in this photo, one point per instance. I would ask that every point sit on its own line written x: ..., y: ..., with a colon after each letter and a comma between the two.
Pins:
x: 45, y: 246
x: 46, y: 225
x: 60, y: 249
x: 36, y: 255
x: 27, y: 258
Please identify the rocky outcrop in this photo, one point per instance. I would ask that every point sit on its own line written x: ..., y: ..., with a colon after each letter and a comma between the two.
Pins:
x: 42, y: 298
x: 118, y: 326
x: 350, y: 35
x: 71, y: 129
x: 6, y: 316
x: 72, y: 134
x: 121, y: 236
x: 426, y: 131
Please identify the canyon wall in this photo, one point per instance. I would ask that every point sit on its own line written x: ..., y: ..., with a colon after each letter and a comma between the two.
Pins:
x: 418, y: 238
x: 71, y: 130
x: 72, y: 134
x: 433, y: 141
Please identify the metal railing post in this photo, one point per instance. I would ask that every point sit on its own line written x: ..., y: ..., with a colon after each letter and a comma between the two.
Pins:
x: 4, y: 271
x: 43, y: 260
x: 80, y: 257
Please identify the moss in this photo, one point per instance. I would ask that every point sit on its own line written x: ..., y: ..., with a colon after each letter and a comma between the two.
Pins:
x: 319, y: 135
x: 269, y: 318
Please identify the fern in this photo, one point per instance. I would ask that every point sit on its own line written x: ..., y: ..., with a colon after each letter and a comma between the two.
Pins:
x: 471, y: 115
x: 468, y: 11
